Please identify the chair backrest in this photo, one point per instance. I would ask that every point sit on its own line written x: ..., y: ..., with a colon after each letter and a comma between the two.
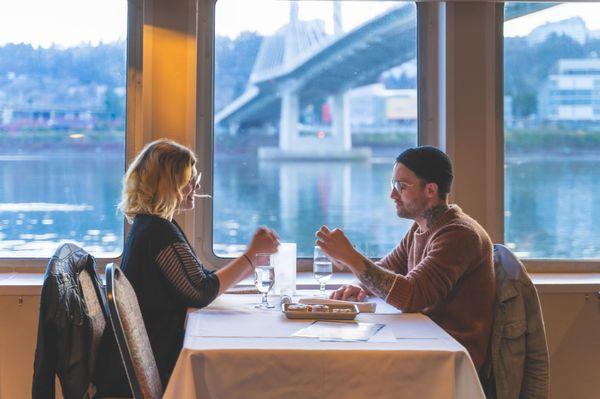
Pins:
x: 92, y: 294
x: 131, y: 335
x: 506, y: 259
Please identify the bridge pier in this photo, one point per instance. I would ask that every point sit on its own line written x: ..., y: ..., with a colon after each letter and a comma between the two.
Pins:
x: 233, y: 128
x: 336, y: 146
x: 288, y: 123
x: 340, y: 121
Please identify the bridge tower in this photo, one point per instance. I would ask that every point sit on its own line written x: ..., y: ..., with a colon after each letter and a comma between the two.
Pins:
x: 290, y: 97
x: 340, y: 116
x: 336, y: 142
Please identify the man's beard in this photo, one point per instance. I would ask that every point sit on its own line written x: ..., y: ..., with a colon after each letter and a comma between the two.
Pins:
x: 407, y: 213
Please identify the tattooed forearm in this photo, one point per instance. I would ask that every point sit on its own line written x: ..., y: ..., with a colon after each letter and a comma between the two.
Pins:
x: 431, y: 215
x: 376, y: 279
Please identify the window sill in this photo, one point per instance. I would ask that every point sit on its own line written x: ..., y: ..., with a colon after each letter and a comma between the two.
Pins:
x: 31, y: 283
x: 566, y: 282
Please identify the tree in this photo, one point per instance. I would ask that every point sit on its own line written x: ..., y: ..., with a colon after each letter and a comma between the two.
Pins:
x: 234, y: 60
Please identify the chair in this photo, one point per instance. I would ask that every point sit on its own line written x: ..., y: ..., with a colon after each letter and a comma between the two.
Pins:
x: 93, y: 295
x: 131, y: 335
x: 519, y: 351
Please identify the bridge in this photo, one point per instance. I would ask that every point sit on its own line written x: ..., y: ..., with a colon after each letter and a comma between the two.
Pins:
x: 300, y: 63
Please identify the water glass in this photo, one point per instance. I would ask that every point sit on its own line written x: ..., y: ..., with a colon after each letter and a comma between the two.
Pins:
x: 264, y: 278
x: 322, y: 268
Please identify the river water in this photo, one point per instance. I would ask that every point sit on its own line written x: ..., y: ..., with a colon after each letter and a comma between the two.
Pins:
x: 552, y: 204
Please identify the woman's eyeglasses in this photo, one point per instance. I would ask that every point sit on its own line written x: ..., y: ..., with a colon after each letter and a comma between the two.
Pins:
x: 195, y: 182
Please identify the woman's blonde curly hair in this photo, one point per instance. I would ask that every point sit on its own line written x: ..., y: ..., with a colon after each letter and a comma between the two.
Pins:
x: 155, y: 179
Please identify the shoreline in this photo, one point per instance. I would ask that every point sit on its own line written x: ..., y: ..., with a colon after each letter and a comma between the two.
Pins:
x: 73, y: 152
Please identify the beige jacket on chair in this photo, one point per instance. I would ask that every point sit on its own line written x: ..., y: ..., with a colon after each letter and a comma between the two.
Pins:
x: 519, y: 353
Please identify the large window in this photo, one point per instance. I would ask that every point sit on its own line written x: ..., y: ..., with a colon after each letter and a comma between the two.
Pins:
x: 552, y: 130
x: 62, y: 125
x: 313, y: 102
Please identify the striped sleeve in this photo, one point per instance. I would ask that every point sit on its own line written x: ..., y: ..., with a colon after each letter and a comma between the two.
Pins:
x: 197, y: 286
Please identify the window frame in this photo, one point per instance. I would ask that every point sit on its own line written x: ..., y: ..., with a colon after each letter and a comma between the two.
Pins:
x: 132, y: 129
x: 537, y: 265
x: 433, y: 84
x: 205, y: 134
x: 434, y: 81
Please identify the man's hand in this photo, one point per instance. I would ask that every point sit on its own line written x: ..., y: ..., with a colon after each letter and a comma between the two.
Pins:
x: 335, y: 244
x: 376, y: 279
x: 349, y: 292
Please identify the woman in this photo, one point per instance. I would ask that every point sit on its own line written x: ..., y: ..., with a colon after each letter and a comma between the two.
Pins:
x: 161, y: 264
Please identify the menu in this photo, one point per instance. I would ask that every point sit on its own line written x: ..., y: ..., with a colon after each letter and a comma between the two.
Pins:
x: 339, y: 331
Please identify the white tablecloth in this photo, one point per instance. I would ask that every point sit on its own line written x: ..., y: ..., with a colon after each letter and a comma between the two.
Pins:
x: 234, y: 351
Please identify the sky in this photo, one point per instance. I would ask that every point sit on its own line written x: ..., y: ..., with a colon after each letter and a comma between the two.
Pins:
x: 235, y: 16
x: 67, y: 23
x: 589, y: 12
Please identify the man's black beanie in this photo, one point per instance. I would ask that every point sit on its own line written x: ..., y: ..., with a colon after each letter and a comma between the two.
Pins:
x: 429, y: 164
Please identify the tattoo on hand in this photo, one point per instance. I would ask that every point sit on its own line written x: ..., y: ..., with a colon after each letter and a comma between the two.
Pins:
x: 376, y: 279
x: 433, y: 214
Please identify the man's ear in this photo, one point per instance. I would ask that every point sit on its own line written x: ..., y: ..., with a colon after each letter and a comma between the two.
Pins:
x: 431, y: 189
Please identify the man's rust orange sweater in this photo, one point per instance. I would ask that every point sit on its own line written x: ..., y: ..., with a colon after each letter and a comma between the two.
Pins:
x: 447, y: 273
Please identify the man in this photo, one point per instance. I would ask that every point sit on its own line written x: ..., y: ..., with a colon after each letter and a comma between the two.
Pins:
x: 443, y: 267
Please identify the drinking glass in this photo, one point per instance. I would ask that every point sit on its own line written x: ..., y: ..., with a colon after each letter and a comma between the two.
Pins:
x: 322, y: 268
x: 264, y: 277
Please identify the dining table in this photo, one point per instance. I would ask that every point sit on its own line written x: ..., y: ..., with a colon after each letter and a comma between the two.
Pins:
x: 233, y: 350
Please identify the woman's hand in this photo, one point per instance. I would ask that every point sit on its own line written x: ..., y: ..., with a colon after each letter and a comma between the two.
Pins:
x: 264, y: 241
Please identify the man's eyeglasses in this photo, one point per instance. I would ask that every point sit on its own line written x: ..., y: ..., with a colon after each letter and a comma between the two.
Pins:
x: 399, y: 185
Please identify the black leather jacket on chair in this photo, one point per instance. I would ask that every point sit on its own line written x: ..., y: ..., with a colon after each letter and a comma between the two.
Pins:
x: 64, y: 341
